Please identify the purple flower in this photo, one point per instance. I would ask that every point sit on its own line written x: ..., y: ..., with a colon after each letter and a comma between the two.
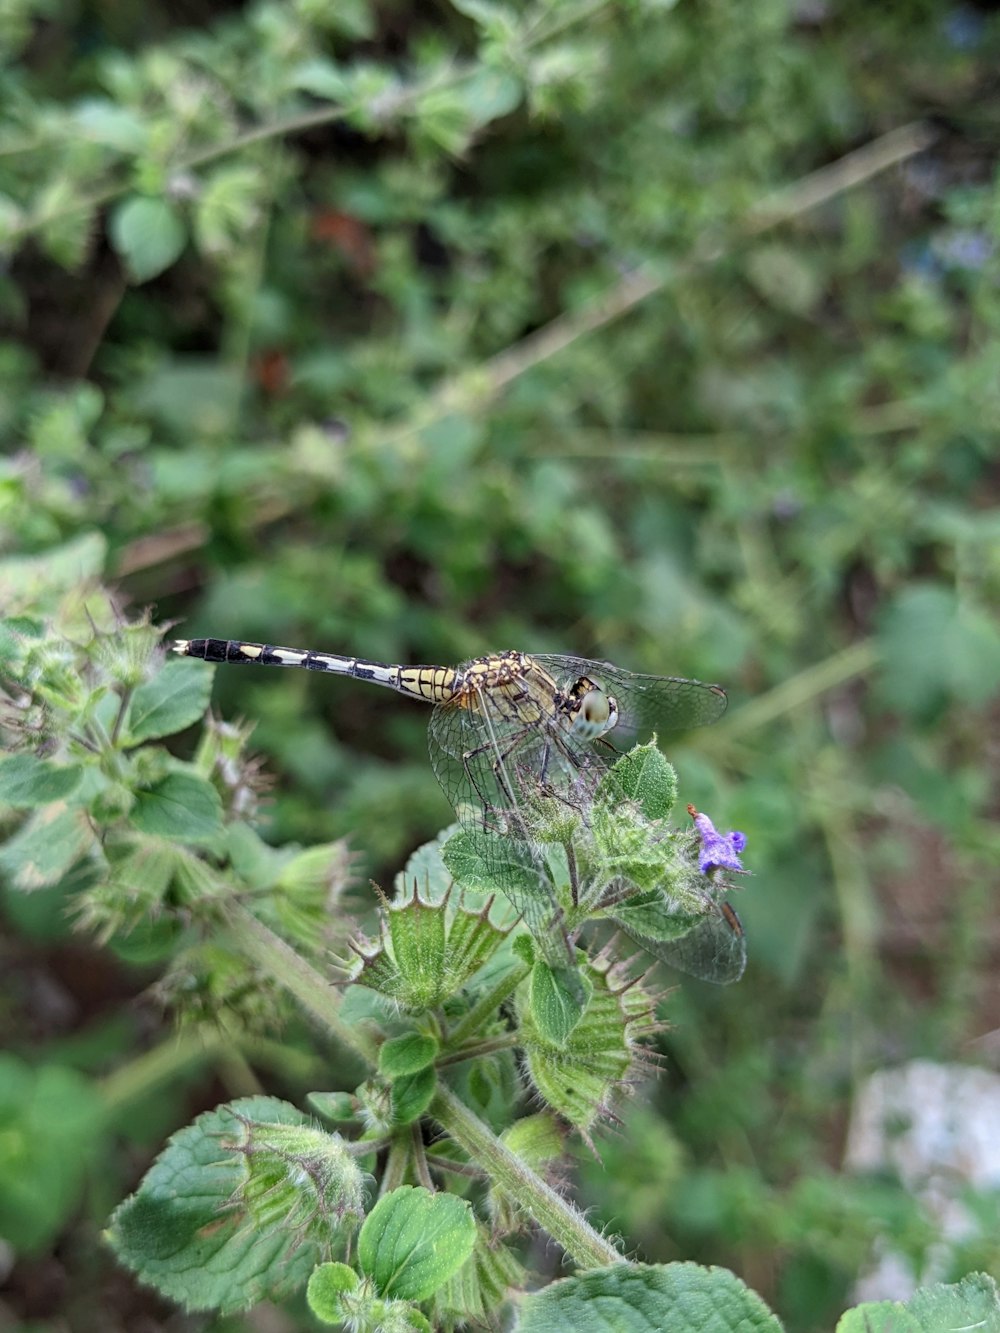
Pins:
x: 963, y: 28
x: 719, y: 851
x: 964, y: 247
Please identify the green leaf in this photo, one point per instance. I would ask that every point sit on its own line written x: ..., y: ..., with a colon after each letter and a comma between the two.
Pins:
x: 26, y: 780
x: 45, y: 847
x: 426, y: 871
x: 180, y: 806
x: 784, y: 277
x: 24, y: 577
x: 50, y: 1125
x: 105, y: 122
x: 148, y: 234
x: 935, y: 647
x: 228, y: 208
x: 174, y: 699
x: 65, y: 220
x: 558, y: 999
x: 185, y: 1233
x: 16, y: 636
x: 489, y: 94
x: 493, y: 18
x: 684, y: 1298
x: 413, y: 1241
x: 643, y: 775
x: 327, y: 1284
x: 412, y: 1094
x: 406, y: 1055
x: 629, y: 847
x: 973, y: 1303
x: 579, y: 1078
x: 451, y: 113
x: 322, y: 78
x: 881, y: 1317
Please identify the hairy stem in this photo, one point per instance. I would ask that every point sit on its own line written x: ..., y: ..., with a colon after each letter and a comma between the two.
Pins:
x: 487, y: 1006
x: 564, y: 1223
x: 312, y: 991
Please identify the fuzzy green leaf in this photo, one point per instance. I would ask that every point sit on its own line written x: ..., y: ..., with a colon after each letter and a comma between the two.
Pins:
x: 25, y: 577
x: 648, y: 916
x: 684, y: 1298
x: 412, y: 1094
x: 26, y: 780
x: 148, y: 234
x: 327, y: 1284
x: 406, y: 1055
x: 643, y: 775
x: 45, y: 847
x: 426, y: 872
x: 578, y: 1078
x: 973, y: 1303
x: 558, y: 999
x: 174, y: 699
x: 413, y: 1241
x: 182, y: 1233
x: 50, y: 1120
x: 181, y: 806
x: 333, y: 1106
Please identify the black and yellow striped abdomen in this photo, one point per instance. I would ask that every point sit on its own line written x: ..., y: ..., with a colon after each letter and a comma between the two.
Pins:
x: 435, y: 684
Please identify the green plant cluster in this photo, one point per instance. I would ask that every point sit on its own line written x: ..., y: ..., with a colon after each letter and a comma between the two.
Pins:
x: 663, y: 333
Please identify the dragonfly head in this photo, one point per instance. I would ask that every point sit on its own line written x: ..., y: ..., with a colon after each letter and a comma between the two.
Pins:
x: 596, y: 712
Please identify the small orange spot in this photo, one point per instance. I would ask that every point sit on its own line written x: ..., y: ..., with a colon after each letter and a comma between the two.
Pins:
x: 270, y: 370
x: 348, y: 235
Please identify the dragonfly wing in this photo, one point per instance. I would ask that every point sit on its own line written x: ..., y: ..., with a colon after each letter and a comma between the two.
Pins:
x: 714, y: 950
x: 491, y: 769
x: 646, y: 703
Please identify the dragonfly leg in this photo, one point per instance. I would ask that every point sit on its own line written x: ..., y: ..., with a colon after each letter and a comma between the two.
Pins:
x: 499, y: 772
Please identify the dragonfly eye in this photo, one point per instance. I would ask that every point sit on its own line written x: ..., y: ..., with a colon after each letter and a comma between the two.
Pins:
x: 598, y: 713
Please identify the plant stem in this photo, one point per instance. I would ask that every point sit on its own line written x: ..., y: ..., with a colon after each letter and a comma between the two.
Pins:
x: 479, y: 1048
x: 799, y: 690
x: 420, y: 1158
x: 488, y: 1005
x: 160, y: 1066
x: 299, y: 978
x: 396, y: 1163
x: 120, y: 716
x: 438, y: 1162
x: 539, y: 1200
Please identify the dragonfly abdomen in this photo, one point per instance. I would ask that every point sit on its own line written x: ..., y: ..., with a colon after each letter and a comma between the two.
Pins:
x: 432, y: 683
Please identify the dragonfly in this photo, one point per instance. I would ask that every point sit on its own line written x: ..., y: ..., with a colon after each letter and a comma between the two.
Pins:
x: 510, y: 728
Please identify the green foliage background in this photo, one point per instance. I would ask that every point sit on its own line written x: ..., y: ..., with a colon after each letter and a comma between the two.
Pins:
x: 419, y: 331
